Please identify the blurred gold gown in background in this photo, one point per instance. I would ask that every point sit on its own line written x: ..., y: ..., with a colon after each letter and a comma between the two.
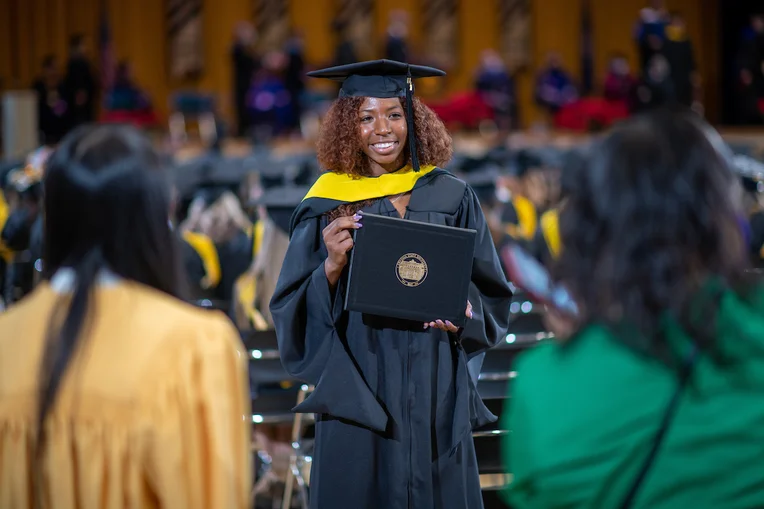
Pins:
x: 153, y: 412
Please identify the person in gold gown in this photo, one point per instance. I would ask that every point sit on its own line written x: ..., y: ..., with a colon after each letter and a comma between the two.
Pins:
x: 114, y: 393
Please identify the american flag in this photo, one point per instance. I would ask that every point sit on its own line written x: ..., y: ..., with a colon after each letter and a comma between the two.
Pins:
x: 106, y: 46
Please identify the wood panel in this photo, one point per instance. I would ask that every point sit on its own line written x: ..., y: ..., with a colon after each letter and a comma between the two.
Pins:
x: 476, y: 34
x: 7, y: 43
x: 382, y: 11
x: 272, y: 24
x: 220, y: 19
x: 314, y: 18
x: 29, y: 29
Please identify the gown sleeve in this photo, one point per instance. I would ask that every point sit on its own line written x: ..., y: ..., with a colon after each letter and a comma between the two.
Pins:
x: 490, y: 293
x: 307, y: 316
x: 198, y: 457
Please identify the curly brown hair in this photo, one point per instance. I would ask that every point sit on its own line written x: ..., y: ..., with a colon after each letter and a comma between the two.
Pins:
x: 339, y: 148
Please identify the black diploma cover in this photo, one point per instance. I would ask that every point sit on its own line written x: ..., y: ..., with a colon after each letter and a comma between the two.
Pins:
x: 410, y: 270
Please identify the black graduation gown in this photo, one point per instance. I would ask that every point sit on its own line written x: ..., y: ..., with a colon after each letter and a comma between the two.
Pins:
x: 395, y: 404
x: 681, y: 59
x: 80, y: 78
x: 235, y: 258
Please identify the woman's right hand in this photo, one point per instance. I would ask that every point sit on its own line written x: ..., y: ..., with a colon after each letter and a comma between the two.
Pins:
x: 338, y: 242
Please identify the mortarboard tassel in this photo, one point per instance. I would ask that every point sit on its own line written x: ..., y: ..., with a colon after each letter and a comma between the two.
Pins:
x: 410, y: 119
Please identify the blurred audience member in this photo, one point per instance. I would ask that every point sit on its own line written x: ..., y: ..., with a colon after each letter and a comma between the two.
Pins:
x: 52, y: 108
x: 752, y: 51
x: 656, y: 88
x: 396, y: 45
x: 546, y: 245
x: 554, y: 86
x: 497, y: 88
x: 20, y: 217
x: 294, y: 78
x: 106, y: 371
x: 619, y: 82
x: 748, y: 108
x: 255, y: 287
x: 344, y: 52
x: 654, y: 388
x: 268, y: 100
x: 244, y: 64
x: 651, y: 32
x: 529, y: 194
x: 125, y: 95
x: 80, y: 83
x: 223, y: 237
x: 680, y: 56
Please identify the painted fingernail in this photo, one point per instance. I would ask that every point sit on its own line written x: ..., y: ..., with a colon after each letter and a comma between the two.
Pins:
x: 449, y: 323
x: 358, y: 225
x: 357, y: 217
x: 426, y: 325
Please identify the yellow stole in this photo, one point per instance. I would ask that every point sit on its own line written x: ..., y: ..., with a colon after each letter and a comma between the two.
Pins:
x: 207, y: 251
x: 550, y: 227
x: 349, y: 188
x: 5, y: 252
x: 526, y: 219
x: 246, y: 284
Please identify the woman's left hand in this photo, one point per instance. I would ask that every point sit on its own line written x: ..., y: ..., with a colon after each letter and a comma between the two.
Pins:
x: 447, y: 325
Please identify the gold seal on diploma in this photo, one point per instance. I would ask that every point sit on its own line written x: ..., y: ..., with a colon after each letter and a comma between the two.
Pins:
x: 411, y: 269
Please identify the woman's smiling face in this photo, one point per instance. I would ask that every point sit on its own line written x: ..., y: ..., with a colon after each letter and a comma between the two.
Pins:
x: 383, y: 133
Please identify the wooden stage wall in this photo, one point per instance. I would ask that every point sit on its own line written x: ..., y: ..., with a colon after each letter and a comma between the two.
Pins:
x: 30, y: 29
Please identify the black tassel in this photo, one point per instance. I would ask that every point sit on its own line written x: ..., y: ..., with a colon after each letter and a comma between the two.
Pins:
x: 410, y: 119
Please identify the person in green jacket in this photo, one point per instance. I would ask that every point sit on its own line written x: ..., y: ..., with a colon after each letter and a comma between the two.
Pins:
x: 655, y: 259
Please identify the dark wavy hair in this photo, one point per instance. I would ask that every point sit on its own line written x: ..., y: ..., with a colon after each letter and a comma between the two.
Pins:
x: 339, y: 145
x: 106, y: 205
x: 654, y: 213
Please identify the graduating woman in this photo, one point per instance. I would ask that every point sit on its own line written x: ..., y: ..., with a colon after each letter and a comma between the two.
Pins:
x: 394, y: 402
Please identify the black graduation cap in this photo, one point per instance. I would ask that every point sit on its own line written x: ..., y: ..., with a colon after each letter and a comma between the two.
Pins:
x: 483, y: 182
x: 207, y: 178
x: 526, y: 160
x: 280, y: 203
x: 381, y: 79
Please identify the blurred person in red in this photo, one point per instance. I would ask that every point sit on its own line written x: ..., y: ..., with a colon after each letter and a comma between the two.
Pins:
x: 619, y: 82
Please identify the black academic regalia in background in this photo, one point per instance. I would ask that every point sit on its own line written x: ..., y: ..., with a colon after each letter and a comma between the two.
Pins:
x: 681, y: 60
x: 196, y: 271
x: 244, y: 67
x: 52, y: 111
x: 395, y: 403
x: 80, y: 79
x: 236, y: 256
